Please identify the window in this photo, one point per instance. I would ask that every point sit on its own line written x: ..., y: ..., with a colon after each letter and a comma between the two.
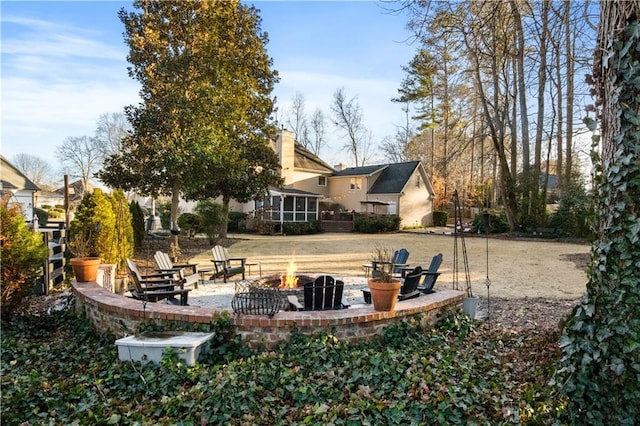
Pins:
x: 322, y: 181
x: 355, y: 183
x: 417, y: 181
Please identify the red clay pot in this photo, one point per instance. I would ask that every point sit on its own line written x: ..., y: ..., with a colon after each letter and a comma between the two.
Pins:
x: 384, y: 295
x: 85, y: 269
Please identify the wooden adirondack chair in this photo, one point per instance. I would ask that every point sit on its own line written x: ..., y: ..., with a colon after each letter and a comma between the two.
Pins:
x: 190, y: 270
x: 322, y: 294
x: 224, y: 264
x: 156, y: 287
x: 431, y: 275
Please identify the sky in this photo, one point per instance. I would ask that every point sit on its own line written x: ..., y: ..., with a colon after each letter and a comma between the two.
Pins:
x: 64, y: 64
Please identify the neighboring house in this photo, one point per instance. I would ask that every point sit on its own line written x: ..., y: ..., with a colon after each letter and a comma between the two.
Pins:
x: 310, y: 184
x: 21, y: 188
x: 401, y: 189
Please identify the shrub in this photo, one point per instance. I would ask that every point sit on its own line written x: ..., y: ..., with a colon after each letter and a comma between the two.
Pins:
x: 301, y: 228
x: 376, y: 224
x: 211, y: 218
x: 137, y: 221
x: 43, y: 215
x: 497, y: 223
x: 22, y: 253
x: 95, y: 217
x: 121, y: 246
x: 572, y: 219
x: 190, y: 223
x: 440, y: 218
x: 236, y: 219
x: 164, y: 210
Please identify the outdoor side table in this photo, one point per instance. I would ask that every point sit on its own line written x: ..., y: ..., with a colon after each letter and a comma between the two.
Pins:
x: 205, y: 270
x: 258, y: 264
x: 367, y: 269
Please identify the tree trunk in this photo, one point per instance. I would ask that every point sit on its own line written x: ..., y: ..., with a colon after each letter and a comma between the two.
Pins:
x: 225, y: 217
x: 601, y: 361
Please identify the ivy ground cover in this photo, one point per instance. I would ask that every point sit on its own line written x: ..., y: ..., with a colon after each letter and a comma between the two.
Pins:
x: 57, y: 370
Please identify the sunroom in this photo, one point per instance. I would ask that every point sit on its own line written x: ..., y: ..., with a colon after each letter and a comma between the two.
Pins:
x: 289, y: 205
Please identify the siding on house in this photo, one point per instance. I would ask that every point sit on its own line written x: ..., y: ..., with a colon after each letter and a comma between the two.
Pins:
x: 400, y: 188
x: 22, y: 189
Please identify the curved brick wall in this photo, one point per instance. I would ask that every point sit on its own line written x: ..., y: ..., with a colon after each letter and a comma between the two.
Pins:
x: 121, y: 315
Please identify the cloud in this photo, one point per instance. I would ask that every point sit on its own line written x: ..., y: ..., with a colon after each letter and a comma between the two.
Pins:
x: 56, y: 82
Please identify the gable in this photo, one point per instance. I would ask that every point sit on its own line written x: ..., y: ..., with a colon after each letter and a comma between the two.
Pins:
x: 13, y: 179
x: 394, y: 178
x: 308, y: 161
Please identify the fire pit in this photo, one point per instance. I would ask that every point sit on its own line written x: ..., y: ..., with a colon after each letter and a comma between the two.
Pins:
x: 268, y: 295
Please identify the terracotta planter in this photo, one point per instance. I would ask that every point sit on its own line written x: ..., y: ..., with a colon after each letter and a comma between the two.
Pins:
x: 85, y: 269
x: 384, y: 295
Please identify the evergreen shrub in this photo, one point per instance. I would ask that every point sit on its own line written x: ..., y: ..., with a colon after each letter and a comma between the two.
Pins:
x: 22, y: 252
x: 376, y: 224
x: 440, y: 218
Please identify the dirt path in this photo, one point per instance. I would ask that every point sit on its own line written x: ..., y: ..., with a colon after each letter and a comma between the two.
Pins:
x: 516, y: 268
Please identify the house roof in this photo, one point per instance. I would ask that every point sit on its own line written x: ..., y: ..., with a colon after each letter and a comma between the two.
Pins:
x: 394, y: 178
x: 360, y: 171
x: 293, y: 191
x: 13, y: 179
x: 307, y: 160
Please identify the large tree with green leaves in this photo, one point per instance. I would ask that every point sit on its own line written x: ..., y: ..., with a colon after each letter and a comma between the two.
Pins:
x: 601, y: 341
x: 203, y: 127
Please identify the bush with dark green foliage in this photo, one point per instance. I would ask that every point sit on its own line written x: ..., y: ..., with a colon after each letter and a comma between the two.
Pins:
x: 211, y: 218
x: 440, y: 218
x: 138, y: 223
x: 190, y: 223
x: 164, y: 210
x: 575, y: 214
x: 55, y: 369
x: 22, y: 252
x: 376, y: 224
x: 301, y: 228
x: 497, y: 223
x: 43, y: 216
x: 236, y: 222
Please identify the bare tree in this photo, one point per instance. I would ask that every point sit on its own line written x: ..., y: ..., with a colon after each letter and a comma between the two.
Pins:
x: 112, y: 128
x: 397, y: 149
x: 318, y: 130
x: 39, y: 171
x: 298, y: 120
x: 80, y: 156
x: 348, y: 118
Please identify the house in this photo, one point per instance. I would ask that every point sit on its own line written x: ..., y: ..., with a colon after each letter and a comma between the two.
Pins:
x: 311, y: 186
x: 21, y: 189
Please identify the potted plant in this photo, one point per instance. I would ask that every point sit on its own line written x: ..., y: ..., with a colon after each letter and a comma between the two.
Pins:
x: 84, y: 259
x: 384, y: 286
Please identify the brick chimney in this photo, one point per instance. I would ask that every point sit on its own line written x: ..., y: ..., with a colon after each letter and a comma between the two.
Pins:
x: 285, y: 148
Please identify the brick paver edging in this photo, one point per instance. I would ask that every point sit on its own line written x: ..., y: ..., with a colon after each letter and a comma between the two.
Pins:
x: 121, y: 315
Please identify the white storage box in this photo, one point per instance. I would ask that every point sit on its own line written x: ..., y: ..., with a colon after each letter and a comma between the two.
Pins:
x: 149, y: 346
